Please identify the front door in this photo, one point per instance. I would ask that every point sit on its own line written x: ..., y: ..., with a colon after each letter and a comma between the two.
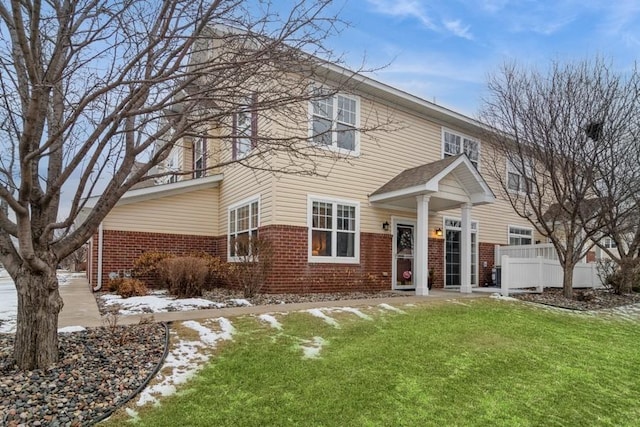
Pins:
x: 453, y: 253
x: 403, y: 254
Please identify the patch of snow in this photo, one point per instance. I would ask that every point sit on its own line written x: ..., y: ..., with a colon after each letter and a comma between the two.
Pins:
x: 497, y: 296
x: 241, y: 302
x: 155, y: 304
x: 8, y: 304
x: 316, y: 312
x: 272, y: 321
x: 313, y: 347
x: 353, y: 311
x: 386, y: 306
x: 68, y: 329
x: 207, y: 335
x: 409, y: 305
x: 133, y: 414
x: 185, y: 359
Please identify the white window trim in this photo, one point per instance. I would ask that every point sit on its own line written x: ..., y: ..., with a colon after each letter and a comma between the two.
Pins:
x: 332, y: 259
x: 462, y: 136
x: 235, y: 206
x: 511, y: 168
x: 334, y: 144
x: 522, y: 227
x: 200, y: 173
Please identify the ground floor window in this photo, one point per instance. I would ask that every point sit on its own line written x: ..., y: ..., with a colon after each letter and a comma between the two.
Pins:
x: 334, y: 230
x: 520, y: 235
x: 243, y: 226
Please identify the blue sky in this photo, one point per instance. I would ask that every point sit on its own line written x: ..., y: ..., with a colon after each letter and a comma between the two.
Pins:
x: 444, y: 49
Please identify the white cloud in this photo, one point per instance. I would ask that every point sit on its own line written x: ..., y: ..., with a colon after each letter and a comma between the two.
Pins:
x: 415, y: 9
x: 404, y: 9
x: 458, y: 29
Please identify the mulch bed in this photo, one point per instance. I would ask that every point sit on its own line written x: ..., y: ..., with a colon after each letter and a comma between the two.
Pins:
x: 583, y: 300
x: 99, y: 369
x: 228, y: 295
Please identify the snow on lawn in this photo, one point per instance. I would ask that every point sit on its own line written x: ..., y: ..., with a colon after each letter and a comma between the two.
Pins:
x: 272, y: 321
x: 312, y: 348
x: 156, y: 303
x: 329, y: 320
x: 386, y: 306
x: 185, y: 359
x: 9, y: 299
x: 353, y: 311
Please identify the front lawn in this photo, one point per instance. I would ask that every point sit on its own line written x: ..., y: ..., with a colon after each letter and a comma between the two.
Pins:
x: 482, y: 362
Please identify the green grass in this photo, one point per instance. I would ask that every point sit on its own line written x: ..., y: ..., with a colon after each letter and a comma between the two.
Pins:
x: 488, y: 363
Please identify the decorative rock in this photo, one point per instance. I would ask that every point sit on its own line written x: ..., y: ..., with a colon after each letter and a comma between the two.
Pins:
x: 98, y: 369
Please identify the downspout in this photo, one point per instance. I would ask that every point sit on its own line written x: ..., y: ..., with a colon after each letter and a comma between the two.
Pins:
x: 100, y: 238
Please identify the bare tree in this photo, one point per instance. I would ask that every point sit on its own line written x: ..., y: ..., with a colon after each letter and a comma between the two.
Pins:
x: 618, y: 190
x: 557, y: 134
x: 94, y: 93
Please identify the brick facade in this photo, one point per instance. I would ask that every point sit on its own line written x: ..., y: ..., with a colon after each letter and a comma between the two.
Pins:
x: 486, y: 253
x: 291, y: 271
x: 121, y: 248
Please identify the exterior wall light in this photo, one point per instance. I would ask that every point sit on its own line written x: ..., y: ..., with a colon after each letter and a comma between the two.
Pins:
x: 439, y: 232
x: 385, y: 226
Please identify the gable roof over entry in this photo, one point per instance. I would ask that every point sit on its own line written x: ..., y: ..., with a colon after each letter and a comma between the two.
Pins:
x: 450, y: 182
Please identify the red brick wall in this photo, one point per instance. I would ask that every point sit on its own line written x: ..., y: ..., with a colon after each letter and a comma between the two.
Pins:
x: 486, y: 254
x: 435, y: 255
x: 293, y: 273
x: 122, y: 248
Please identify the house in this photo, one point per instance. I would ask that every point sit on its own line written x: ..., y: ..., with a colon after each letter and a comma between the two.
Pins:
x: 404, y: 205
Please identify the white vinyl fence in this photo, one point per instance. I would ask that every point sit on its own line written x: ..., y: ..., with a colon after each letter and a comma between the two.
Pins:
x: 539, y: 273
x: 544, y: 250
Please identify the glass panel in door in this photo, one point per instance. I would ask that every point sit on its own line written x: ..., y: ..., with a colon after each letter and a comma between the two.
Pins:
x: 452, y: 257
x: 404, y: 254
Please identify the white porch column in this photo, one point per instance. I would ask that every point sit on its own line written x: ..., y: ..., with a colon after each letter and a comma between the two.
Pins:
x: 421, y: 269
x: 465, y: 250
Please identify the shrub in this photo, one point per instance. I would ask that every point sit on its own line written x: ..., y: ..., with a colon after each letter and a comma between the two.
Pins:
x: 146, y: 266
x: 251, y: 271
x: 621, y: 279
x: 217, y: 269
x: 185, y: 277
x: 127, y: 287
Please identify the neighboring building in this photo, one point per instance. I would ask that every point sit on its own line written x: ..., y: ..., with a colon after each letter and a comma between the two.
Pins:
x: 406, y: 202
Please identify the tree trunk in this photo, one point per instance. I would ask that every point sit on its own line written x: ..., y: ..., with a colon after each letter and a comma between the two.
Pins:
x: 567, y: 280
x: 39, y: 303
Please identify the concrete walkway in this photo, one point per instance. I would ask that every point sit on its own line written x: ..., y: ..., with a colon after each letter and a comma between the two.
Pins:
x: 81, y: 309
x: 80, y: 306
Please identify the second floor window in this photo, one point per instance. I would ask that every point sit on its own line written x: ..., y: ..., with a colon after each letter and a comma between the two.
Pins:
x: 518, y: 181
x: 199, y: 157
x: 245, y: 129
x: 334, y: 122
x: 455, y: 143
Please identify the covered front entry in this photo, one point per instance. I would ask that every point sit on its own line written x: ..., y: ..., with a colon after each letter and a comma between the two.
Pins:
x: 446, y: 184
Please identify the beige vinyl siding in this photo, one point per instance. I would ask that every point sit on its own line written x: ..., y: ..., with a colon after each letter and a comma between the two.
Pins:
x: 383, y: 155
x: 191, y: 212
x: 415, y: 140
